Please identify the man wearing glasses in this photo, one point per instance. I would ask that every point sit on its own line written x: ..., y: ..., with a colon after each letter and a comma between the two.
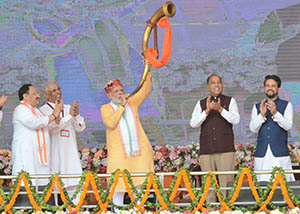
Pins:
x: 31, y: 143
x: 216, y: 114
x: 127, y: 144
x: 65, y: 157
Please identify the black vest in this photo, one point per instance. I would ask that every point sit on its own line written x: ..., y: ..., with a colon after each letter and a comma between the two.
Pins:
x: 216, y: 133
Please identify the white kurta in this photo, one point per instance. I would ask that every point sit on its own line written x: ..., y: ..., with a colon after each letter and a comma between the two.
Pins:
x: 1, y: 114
x: 65, y: 157
x: 269, y: 160
x: 27, y: 155
x: 231, y: 116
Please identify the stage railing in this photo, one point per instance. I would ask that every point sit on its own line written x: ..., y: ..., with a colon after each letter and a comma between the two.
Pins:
x: 187, y: 190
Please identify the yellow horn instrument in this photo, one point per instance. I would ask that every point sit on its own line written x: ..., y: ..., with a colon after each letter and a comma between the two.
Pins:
x: 169, y: 10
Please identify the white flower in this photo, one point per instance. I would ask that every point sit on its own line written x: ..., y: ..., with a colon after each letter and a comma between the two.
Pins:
x: 294, y: 211
x: 214, y: 212
x: 96, y: 162
x: 237, y: 212
x: 276, y: 212
x: 262, y: 212
x: 60, y: 212
x: 177, y: 162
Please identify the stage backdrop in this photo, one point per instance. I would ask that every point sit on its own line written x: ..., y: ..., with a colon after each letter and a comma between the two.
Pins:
x: 83, y: 44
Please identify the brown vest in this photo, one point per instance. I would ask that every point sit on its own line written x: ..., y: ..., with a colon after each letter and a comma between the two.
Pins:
x: 216, y: 133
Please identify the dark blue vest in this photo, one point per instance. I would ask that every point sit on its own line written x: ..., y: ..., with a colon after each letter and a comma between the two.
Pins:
x: 271, y: 133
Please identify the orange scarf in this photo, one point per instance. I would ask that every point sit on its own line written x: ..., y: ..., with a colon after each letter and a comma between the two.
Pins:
x: 43, y: 162
x: 167, y: 46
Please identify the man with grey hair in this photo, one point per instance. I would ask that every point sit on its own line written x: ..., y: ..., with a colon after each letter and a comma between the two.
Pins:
x: 216, y: 114
x: 65, y: 157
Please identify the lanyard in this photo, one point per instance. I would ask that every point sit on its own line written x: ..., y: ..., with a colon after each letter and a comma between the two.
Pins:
x: 62, y: 112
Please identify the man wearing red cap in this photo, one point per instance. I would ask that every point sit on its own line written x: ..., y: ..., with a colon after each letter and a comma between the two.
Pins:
x: 127, y: 144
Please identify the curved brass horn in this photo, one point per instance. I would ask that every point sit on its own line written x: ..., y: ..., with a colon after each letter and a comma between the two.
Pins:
x: 168, y: 9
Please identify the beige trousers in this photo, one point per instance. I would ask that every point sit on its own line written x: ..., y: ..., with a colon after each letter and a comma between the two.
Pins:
x: 218, y: 162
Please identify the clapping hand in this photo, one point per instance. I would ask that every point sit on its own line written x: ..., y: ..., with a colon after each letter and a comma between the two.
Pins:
x: 263, y: 108
x: 3, y: 100
x: 211, y: 105
x: 74, y: 110
x: 217, y: 106
x: 272, y: 107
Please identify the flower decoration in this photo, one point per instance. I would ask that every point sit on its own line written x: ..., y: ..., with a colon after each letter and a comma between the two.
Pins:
x: 94, y: 159
x: 167, y: 158
x: 5, y: 162
x: 294, y: 150
x: 244, y: 155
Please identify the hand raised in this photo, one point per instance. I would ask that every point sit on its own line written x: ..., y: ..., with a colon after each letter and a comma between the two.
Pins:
x: 209, y: 105
x: 272, y: 107
x: 75, y: 108
x: 263, y: 108
x: 57, y: 120
x: 124, y: 99
x: 58, y: 108
x: 217, y: 106
x: 3, y: 100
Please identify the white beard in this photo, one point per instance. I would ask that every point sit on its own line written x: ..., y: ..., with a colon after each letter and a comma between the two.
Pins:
x: 117, y: 100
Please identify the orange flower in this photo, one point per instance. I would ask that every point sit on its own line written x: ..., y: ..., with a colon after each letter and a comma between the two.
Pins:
x: 85, y: 150
x: 5, y: 152
x: 99, y: 154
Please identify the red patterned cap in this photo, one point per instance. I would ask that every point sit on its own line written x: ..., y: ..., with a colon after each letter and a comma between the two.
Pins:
x: 112, y: 84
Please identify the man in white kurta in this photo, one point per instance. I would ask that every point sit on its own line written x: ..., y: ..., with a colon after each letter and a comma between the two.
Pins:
x: 271, y: 119
x: 31, y: 142
x: 3, y: 99
x: 65, y: 158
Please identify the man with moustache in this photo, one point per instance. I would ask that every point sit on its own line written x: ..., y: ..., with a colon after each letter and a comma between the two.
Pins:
x: 215, y: 115
x: 3, y: 100
x: 31, y: 142
x: 128, y: 146
x: 271, y: 119
x: 65, y: 157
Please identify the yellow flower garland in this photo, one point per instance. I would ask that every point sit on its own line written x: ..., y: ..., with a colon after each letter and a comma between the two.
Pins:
x: 62, y: 195
x: 278, y: 179
x: 240, y: 183
x: 89, y: 179
x: 30, y: 196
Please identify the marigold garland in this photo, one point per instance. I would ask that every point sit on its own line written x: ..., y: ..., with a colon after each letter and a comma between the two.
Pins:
x: 14, y: 196
x: 48, y: 195
x: 30, y: 196
x: 188, y: 184
x: 1, y: 199
x: 160, y: 198
x: 204, y: 196
x: 278, y: 179
x: 245, y: 171
x: 165, y: 200
x: 127, y: 186
x: 111, y: 193
x: 222, y: 202
x: 62, y: 195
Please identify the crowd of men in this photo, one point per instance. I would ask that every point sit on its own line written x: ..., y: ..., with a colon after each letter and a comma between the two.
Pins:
x: 44, y: 140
